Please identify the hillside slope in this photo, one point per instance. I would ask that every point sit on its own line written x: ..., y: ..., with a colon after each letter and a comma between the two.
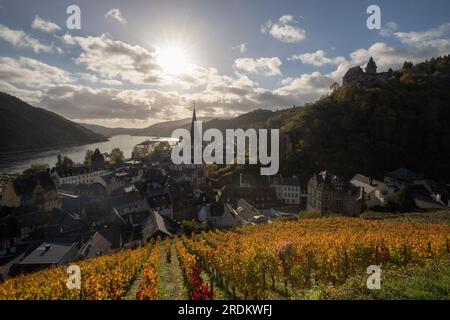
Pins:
x: 23, y: 127
x: 165, y: 129
x: 376, y: 128
x: 106, y: 131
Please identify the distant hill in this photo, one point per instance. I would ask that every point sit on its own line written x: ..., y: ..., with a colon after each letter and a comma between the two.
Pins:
x: 108, y: 132
x: 24, y: 128
x: 165, y: 129
x: 254, y: 119
x: 161, y: 129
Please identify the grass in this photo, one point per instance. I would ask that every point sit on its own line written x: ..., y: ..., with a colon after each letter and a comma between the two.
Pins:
x: 434, y: 217
x: 170, y: 285
x: 429, y: 282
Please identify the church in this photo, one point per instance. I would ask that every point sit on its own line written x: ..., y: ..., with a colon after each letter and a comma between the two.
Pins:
x: 356, y: 75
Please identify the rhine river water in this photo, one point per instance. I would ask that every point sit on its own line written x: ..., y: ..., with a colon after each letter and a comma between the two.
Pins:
x: 19, y: 162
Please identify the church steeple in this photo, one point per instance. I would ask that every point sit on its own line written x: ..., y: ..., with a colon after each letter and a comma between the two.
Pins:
x: 194, y: 118
x: 371, y: 66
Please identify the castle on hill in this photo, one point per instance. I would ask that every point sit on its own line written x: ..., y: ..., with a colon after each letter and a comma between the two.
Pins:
x: 356, y: 75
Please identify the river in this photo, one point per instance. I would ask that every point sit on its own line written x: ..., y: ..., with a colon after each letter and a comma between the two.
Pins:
x: 19, y: 162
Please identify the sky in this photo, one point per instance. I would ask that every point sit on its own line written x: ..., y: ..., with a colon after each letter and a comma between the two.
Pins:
x: 137, y: 62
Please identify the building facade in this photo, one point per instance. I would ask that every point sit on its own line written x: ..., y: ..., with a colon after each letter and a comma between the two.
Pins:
x: 376, y: 193
x: 329, y: 194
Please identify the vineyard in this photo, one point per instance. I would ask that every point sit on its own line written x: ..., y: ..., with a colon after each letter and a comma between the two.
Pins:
x: 281, y: 260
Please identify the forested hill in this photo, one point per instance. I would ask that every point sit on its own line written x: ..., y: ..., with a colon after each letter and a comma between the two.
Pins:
x: 404, y: 123
x: 23, y: 128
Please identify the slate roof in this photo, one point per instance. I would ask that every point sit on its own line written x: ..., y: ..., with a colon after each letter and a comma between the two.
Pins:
x: 74, y: 171
x: 291, y: 181
x: 404, y: 174
x: 102, y: 242
x: 422, y: 198
x: 158, y: 200
x: 370, y: 184
x: 247, y: 212
x: 51, y: 252
x: 153, y: 224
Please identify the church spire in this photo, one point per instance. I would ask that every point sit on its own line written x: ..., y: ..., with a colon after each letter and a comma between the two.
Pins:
x: 194, y: 117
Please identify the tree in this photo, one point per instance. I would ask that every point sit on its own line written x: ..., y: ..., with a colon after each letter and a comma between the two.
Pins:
x: 334, y: 86
x: 59, y: 161
x: 188, y: 226
x: 401, y: 201
x: 87, y: 157
x: 117, y: 156
x: 67, y: 163
x: 408, y: 65
x: 407, y: 79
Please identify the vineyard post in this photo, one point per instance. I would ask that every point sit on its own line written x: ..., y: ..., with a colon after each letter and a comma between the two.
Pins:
x: 264, y: 281
x: 211, y: 292
x: 448, y: 246
x: 405, y: 256
x: 376, y: 254
x: 346, y: 262
x: 273, y: 282
x: 286, y: 288
x: 429, y: 246
x: 308, y: 271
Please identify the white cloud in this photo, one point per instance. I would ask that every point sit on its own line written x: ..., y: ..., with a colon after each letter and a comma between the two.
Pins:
x: 20, y: 39
x: 116, y: 59
x: 31, y: 96
x: 432, y: 37
x: 44, y: 26
x: 389, y: 29
x: 305, y: 88
x: 262, y: 66
x: 318, y: 59
x: 284, y: 30
x: 111, y: 82
x: 31, y: 73
x: 89, y: 77
x: 287, y: 18
x: 241, y: 47
x: 115, y: 14
x: 112, y: 63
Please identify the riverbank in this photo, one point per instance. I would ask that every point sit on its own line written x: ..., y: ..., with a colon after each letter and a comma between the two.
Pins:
x: 19, y: 161
x: 50, y: 147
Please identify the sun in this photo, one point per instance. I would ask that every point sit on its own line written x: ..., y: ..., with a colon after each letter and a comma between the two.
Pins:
x: 173, y: 60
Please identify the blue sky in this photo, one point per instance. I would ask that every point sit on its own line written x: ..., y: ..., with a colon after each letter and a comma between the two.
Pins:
x: 137, y: 62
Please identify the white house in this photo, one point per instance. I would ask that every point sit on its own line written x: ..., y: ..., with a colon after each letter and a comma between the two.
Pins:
x: 76, y: 175
x: 112, y: 181
x: 376, y: 193
x: 287, y: 189
x: 222, y: 218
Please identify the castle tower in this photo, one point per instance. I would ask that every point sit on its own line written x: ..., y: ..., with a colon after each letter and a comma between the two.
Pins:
x: 371, y: 67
